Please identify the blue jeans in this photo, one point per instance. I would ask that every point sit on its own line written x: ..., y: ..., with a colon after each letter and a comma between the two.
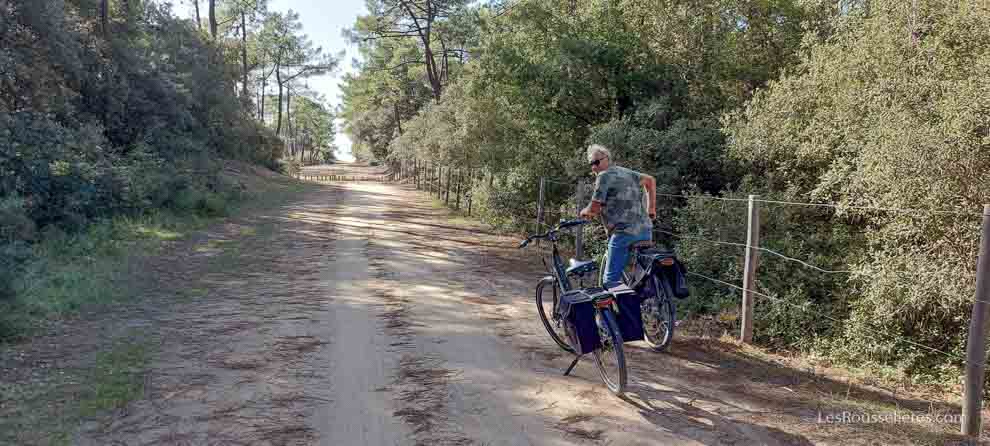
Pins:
x: 618, y: 253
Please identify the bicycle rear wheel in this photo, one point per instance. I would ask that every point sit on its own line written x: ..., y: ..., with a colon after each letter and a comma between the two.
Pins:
x: 658, y: 316
x: 609, y: 356
x: 547, y: 308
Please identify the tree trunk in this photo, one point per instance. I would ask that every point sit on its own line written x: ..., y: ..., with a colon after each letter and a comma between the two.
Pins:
x: 126, y: 7
x: 278, y: 80
x: 460, y: 177
x: 398, y: 120
x: 213, y: 19
x: 261, y: 100
x: 446, y: 194
x: 288, y: 121
x: 105, y: 17
x: 199, y: 21
x: 432, y: 74
x: 424, y: 30
x: 244, y: 66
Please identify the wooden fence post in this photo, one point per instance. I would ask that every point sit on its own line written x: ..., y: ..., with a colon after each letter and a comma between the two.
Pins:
x: 749, y: 272
x: 579, y: 236
x: 539, y: 204
x: 976, y: 344
x: 470, y: 191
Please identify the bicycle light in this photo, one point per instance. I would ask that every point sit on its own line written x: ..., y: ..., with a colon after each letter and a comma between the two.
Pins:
x: 667, y: 262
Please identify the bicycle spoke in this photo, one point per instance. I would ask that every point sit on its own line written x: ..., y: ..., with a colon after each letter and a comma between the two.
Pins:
x: 609, y: 356
x: 546, y: 302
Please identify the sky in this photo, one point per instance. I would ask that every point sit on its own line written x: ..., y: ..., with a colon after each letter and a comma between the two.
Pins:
x: 324, y: 22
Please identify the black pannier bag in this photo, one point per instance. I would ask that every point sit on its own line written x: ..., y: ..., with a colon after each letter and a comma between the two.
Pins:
x: 675, y: 274
x: 630, y: 317
x: 577, y: 313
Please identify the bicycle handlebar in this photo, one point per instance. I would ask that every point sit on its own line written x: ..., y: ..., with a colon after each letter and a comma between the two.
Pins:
x: 566, y: 224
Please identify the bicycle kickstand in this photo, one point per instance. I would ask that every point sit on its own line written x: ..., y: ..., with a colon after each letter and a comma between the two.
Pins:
x: 573, y: 364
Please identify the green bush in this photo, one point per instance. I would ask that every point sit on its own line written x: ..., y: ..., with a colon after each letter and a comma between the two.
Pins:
x: 876, y: 117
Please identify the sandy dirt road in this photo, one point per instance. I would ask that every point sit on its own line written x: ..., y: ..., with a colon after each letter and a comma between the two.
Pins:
x: 361, y: 316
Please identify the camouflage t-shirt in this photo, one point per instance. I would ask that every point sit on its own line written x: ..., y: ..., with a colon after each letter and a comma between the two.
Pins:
x: 619, y: 190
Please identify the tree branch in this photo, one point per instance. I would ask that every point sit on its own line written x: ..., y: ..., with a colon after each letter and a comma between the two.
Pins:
x: 390, y: 36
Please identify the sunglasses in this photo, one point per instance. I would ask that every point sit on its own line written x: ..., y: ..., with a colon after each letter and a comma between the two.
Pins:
x: 596, y: 162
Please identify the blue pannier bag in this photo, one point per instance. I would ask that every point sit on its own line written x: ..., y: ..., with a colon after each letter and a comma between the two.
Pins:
x: 577, y: 313
x: 630, y: 317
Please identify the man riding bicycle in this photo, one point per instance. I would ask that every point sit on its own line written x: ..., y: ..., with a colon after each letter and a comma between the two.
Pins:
x: 620, y: 192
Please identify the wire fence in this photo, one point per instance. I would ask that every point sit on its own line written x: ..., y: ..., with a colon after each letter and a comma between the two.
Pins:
x: 837, y: 321
x: 830, y: 205
x: 975, y: 361
x: 580, y: 192
x: 752, y: 201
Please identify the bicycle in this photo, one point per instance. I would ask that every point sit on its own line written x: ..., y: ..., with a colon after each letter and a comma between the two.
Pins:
x: 603, y: 301
x: 652, y: 275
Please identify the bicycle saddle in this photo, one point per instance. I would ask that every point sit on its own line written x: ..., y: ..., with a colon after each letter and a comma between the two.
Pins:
x: 580, y: 267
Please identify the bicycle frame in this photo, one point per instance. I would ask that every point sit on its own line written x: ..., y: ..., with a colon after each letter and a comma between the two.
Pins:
x: 605, y: 313
x: 558, y: 270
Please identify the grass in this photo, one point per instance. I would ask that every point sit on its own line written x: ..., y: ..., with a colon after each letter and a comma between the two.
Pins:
x: 116, y: 379
x: 70, y: 274
x: 460, y: 217
x: 67, y: 273
x: 50, y: 410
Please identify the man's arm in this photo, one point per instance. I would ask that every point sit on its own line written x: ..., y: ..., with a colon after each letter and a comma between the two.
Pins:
x: 650, y: 184
x: 597, y: 198
x: 591, y: 210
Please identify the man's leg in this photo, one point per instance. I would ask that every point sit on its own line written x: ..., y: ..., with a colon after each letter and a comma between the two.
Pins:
x: 618, y: 253
x: 617, y: 256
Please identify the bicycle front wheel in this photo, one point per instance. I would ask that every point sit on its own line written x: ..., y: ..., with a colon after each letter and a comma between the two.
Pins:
x: 546, y: 306
x: 609, y: 356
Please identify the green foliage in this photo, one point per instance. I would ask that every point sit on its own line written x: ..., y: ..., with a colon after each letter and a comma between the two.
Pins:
x: 888, y: 111
x: 544, y: 80
x: 100, y: 124
x: 881, y: 104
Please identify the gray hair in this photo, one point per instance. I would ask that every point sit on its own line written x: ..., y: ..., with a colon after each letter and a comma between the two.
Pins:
x: 596, y: 149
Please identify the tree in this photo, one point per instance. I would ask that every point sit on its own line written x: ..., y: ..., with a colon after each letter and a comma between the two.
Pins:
x: 245, y: 15
x: 292, y: 54
x: 213, y: 19
x: 386, y: 93
x: 878, y: 117
x: 421, y: 20
x: 312, y: 128
x: 105, y: 16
